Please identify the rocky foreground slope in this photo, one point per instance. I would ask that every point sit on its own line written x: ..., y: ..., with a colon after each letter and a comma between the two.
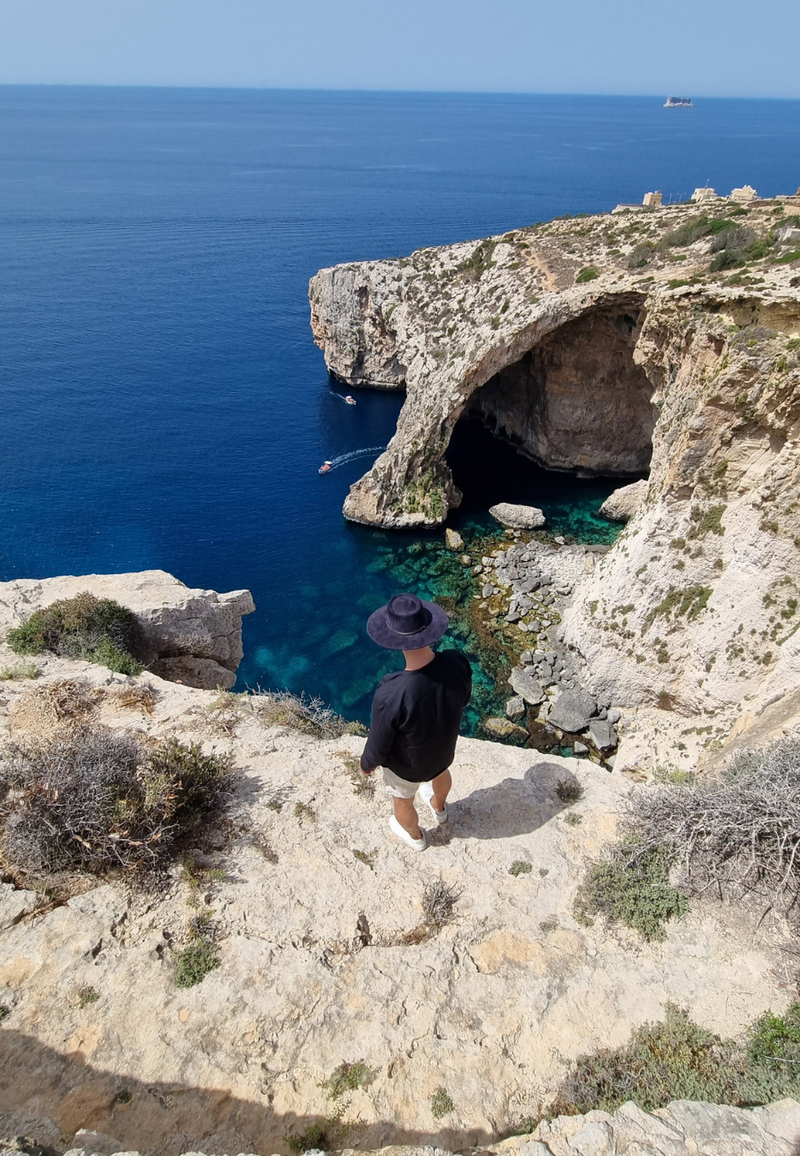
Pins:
x: 461, y: 972
x: 663, y: 341
x: 683, y: 1127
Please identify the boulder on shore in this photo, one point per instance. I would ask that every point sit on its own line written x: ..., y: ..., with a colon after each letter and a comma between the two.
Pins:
x: 573, y: 711
x: 503, y: 728
x: 515, y: 707
x: 526, y: 686
x: 624, y: 502
x: 453, y: 540
x: 517, y: 517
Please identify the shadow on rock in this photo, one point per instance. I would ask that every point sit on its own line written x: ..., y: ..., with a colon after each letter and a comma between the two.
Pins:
x: 511, y: 807
x: 49, y: 1097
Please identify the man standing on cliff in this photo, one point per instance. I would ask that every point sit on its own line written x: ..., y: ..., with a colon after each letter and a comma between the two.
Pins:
x: 416, y: 712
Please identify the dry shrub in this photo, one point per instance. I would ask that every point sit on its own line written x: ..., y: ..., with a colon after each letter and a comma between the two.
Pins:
x: 737, y: 834
x: 438, y: 903
x: 136, y: 697
x: 92, y: 799
x: 308, y: 715
x: 55, y: 705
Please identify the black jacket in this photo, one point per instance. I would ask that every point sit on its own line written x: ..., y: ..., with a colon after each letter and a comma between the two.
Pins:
x: 416, y: 715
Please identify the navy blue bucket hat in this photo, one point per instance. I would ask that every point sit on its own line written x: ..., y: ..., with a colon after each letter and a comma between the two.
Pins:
x: 407, y: 623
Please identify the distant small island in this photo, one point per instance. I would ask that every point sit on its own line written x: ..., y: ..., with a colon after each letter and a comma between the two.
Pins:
x: 678, y: 102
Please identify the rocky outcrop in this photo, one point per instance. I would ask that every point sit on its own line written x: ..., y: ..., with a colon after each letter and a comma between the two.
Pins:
x: 624, y: 502
x: 184, y: 635
x: 517, y: 517
x: 577, y: 342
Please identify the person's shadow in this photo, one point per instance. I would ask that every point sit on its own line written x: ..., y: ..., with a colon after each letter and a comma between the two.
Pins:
x: 512, y: 806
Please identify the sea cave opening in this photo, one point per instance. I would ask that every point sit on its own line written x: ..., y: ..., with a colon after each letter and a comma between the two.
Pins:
x: 564, y: 425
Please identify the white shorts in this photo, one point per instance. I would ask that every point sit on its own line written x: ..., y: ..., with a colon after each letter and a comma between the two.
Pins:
x: 402, y: 788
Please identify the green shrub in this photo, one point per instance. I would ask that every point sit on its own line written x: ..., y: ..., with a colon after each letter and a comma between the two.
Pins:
x: 96, y: 629
x: 195, y: 961
x: 441, y: 1104
x: 92, y: 799
x: 587, y: 274
x: 632, y: 887
x: 87, y: 995
x: 346, y: 1078
x: 19, y: 671
x: 677, y: 1059
x: 520, y: 867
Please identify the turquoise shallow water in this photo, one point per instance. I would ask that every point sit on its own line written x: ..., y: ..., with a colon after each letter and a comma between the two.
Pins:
x: 163, y: 402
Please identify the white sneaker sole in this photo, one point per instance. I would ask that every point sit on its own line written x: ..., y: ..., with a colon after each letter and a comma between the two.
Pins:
x: 426, y: 793
x: 402, y: 833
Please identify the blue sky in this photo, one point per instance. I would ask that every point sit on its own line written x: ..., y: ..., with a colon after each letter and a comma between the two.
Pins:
x: 693, y: 47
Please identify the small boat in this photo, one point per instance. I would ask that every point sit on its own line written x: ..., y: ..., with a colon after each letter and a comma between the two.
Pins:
x: 325, y: 467
x: 350, y: 399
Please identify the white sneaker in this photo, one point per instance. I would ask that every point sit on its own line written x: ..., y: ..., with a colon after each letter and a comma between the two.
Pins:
x: 426, y: 793
x: 402, y: 833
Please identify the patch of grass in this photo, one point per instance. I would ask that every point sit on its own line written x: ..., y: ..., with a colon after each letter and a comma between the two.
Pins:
x: 87, y: 995
x: 367, y: 858
x: 305, y: 813
x: 543, y: 871
x: 92, y: 800
x: 326, y: 1135
x: 587, y: 274
x: 688, y: 603
x: 573, y: 819
x: 632, y: 887
x: 677, y: 1059
x: 96, y: 629
x: 520, y: 867
x: 195, y: 961
x: 549, y: 924
x: 438, y: 903
x: 707, y: 521
x: 19, y: 671
x: 346, y: 1078
x: 362, y: 784
x: 479, y: 260
x: 441, y: 1104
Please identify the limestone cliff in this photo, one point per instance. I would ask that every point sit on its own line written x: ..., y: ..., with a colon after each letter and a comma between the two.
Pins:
x: 660, y: 340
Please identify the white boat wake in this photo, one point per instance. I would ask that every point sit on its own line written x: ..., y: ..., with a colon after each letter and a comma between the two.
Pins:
x: 351, y: 457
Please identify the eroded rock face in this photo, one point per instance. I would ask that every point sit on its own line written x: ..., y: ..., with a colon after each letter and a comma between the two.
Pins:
x: 185, y: 635
x: 577, y: 400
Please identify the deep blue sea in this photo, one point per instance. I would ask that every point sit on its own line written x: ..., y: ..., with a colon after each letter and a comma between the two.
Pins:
x: 163, y: 404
